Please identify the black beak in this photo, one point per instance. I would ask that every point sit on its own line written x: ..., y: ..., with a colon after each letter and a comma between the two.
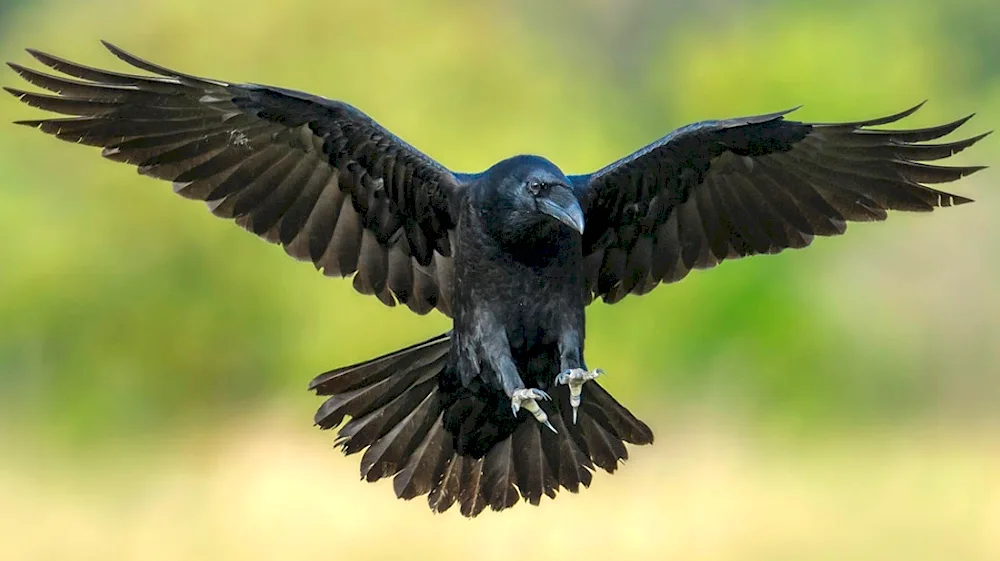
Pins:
x: 560, y: 203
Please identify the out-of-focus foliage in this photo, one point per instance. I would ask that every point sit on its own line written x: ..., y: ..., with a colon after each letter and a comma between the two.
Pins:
x: 267, y: 491
x: 125, y: 308
x: 175, y: 348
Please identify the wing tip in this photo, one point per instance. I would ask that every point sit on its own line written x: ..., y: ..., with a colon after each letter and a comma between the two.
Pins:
x: 160, y: 70
x: 41, y: 56
x: 119, y: 52
x: 115, y: 49
x: 957, y: 200
x: 888, y: 119
x: 780, y: 114
x: 956, y: 124
x: 129, y: 58
x: 902, y: 114
x: 975, y: 139
x: 896, y: 116
x: 18, y: 93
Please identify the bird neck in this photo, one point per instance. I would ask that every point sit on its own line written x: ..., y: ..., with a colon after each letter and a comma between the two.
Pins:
x: 540, y: 245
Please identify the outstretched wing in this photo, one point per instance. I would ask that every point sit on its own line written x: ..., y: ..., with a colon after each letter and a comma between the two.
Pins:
x: 720, y: 190
x: 315, y: 175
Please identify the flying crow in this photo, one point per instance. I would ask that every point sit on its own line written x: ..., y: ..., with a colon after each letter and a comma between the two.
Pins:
x: 503, y: 405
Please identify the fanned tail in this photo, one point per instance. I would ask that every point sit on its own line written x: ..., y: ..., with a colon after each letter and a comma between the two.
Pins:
x: 396, y: 409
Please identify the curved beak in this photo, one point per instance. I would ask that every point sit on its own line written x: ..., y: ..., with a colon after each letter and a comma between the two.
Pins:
x: 561, y: 204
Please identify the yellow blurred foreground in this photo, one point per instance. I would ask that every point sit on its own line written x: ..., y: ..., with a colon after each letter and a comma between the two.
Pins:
x: 125, y: 310
x: 276, y: 491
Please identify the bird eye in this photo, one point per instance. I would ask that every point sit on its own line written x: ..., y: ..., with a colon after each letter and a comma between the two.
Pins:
x: 535, y: 187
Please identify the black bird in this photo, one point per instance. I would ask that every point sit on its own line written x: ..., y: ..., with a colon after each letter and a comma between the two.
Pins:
x: 500, y: 406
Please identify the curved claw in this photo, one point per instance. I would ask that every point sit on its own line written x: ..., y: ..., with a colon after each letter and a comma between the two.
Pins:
x: 575, y: 378
x: 548, y: 424
x: 527, y: 398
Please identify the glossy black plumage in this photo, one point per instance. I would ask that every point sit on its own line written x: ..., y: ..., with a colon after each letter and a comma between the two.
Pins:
x: 513, y: 254
x: 721, y: 190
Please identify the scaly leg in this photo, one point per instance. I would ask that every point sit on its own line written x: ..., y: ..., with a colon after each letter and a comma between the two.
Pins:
x: 528, y: 398
x: 489, y: 345
x: 575, y: 378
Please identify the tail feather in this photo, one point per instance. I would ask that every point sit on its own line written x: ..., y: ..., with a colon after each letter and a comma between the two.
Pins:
x: 364, y: 373
x: 397, y: 408
x: 445, y: 493
x: 624, y: 423
x: 362, y: 401
x: 358, y: 391
x: 500, y: 477
x: 570, y: 462
x: 606, y: 449
x: 423, y: 471
x: 389, y: 454
x: 534, y: 474
x: 470, y: 494
x: 360, y: 432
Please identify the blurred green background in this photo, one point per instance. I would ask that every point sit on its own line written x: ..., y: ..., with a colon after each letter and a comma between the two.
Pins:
x: 835, y: 403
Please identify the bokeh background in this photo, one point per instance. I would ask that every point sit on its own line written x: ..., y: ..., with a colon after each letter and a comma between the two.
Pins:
x: 835, y: 403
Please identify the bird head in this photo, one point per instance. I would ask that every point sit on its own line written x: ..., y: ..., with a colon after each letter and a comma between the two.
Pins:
x: 532, y: 192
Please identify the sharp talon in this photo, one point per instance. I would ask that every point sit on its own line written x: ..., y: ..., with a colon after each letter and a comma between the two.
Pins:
x: 528, y: 399
x: 575, y: 378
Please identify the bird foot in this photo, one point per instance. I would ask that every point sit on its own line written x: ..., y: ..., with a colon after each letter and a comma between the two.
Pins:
x: 528, y: 399
x: 575, y: 378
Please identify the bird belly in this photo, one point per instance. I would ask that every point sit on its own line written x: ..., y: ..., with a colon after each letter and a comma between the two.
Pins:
x: 537, y: 364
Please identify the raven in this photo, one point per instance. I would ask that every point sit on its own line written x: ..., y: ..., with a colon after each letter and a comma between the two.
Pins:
x: 502, y: 406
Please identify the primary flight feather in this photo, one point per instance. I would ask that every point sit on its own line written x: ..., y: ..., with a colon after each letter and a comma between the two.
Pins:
x: 502, y: 406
